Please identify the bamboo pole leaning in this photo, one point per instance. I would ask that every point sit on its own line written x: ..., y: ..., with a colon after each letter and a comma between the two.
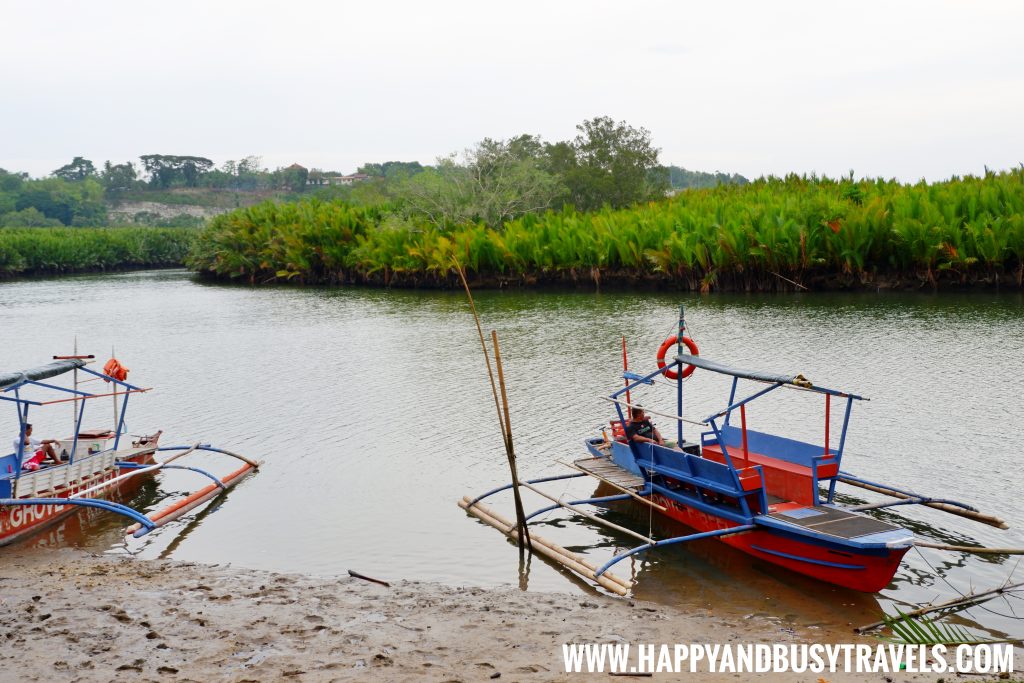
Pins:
x: 523, y: 537
x: 509, y: 447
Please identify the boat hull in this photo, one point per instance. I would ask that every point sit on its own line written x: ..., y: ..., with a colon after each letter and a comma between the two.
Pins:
x: 867, y: 570
x: 18, y: 522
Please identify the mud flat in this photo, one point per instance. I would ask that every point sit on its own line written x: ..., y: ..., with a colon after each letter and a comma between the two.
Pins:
x: 70, y: 616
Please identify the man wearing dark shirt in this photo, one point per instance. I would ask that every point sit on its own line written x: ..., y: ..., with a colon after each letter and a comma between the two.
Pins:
x: 640, y: 429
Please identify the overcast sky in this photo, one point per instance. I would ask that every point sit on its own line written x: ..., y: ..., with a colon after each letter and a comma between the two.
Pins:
x: 895, y: 88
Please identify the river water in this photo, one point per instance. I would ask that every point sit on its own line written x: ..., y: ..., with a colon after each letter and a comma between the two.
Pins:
x: 372, y: 412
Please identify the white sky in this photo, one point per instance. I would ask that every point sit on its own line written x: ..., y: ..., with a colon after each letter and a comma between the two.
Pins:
x: 899, y: 88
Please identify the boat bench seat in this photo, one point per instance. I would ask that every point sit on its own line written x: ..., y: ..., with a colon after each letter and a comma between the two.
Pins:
x: 786, y: 462
x: 693, y: 469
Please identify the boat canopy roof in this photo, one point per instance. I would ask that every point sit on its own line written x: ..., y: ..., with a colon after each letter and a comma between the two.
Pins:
x: 759, y: 376
x: 756, y: 375
x: 58, y: 367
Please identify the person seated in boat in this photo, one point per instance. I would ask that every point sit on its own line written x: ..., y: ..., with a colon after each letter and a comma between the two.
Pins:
x: 36, y: 451
x: 641, y: 430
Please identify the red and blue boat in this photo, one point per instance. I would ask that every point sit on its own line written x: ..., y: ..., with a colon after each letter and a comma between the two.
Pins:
x: 91, y: 468
x: 770, y: 496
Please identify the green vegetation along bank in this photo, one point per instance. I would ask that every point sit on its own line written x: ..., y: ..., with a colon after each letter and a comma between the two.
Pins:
x: 772, y: 234
x: 55, y: 251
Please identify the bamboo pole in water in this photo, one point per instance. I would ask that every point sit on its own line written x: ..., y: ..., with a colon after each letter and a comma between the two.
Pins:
x: 505, y: 526
x: 991, y: 520
x: 977, y: 550
x: 550, y: 550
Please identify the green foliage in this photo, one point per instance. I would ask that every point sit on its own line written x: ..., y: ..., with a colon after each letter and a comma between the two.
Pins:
x: 182, y: 220
x: 925, y: 631
x: 63, y: 250
x: 69, y: 203
x: 311, y: 240
x: 28, y: 218
x: 608, y: 163
x: 118, y: 178
x: 391, y: 169
x: 495, y: 181
x: 803, y: 229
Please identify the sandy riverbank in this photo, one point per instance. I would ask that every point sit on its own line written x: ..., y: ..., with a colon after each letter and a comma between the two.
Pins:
x: 66, y: 615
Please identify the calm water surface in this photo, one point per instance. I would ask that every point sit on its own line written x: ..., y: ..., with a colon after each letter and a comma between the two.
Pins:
x: 373, y: 414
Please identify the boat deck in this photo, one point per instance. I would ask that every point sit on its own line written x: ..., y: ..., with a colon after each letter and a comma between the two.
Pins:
x: 606, y: 470
x: 834, y: 522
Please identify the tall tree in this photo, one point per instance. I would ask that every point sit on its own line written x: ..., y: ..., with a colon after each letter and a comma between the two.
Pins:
x: 119, y: 177
x: 79, y: 169
x: 492, y: 182
x: 166, y: 170
x: 610, y: 163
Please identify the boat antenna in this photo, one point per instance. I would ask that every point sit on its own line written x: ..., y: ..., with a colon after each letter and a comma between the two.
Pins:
x: 679, y: 384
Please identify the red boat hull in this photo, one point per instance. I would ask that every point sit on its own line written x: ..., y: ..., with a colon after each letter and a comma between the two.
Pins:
x: 20, y: 521
x: 867, y: 572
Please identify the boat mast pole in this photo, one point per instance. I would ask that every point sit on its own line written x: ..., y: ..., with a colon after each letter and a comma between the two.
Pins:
x: 74, y: 408
x: 625, y: 369
x: 679, y: 387
x: 115, y: 391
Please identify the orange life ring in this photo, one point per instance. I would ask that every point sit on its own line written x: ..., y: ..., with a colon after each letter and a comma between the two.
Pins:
x: 663, y: 349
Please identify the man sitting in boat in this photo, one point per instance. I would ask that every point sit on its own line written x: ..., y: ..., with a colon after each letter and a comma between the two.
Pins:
x: 641, y: 430
x: 35, y: 450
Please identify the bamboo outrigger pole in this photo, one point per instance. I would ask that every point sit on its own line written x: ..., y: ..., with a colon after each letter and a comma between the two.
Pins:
x: 991, y: 520
x: 552, y: 551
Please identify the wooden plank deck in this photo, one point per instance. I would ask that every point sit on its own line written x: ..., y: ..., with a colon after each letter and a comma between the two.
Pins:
x: 606, y: 470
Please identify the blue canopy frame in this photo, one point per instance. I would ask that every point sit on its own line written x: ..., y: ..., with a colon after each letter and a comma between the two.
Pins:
x: 774, y: 380
x: 17, y: 380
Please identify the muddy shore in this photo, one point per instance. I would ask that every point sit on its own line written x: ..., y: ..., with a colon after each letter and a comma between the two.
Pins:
x: 67, y: 615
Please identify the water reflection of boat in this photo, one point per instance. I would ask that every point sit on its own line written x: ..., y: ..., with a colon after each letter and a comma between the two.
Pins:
x: 94, y: 468
x: 758, y: 492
